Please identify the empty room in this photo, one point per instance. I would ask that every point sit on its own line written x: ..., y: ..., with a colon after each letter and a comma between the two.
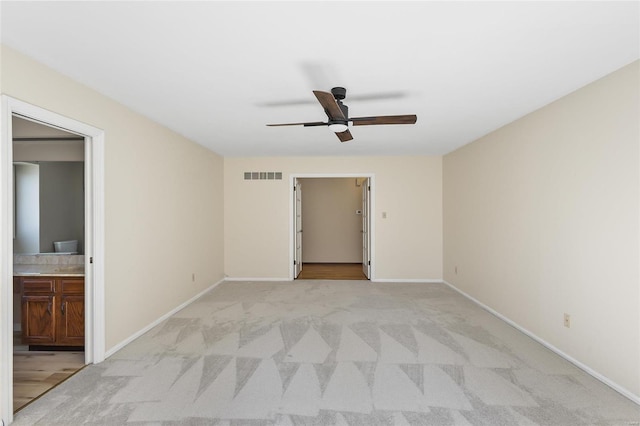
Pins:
x: 321, y: 213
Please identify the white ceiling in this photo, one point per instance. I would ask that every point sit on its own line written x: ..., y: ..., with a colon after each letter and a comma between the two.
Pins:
x: 209, y: 70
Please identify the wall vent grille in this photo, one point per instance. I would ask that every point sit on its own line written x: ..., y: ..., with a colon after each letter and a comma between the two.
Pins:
x: 262, y: 175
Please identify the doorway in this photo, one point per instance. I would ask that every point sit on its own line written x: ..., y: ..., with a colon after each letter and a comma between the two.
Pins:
x: 93, y: 286
x: 331, y: 227
x: 49, y: 228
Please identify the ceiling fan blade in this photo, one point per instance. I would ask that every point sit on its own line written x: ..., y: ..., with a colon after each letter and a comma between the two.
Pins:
x: 376, y: 96
x: 344, y: 136
x: 290, y: 102
x: 329, y: 104
x: 384, y: 119
x: 310, y: 124
x: 358, y: 98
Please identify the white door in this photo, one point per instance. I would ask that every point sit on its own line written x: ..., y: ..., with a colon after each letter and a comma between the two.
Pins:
x: 366, y: 242
x: 297, y: 257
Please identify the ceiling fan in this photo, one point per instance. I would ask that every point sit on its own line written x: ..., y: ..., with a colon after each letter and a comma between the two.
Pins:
x: 338, y: 114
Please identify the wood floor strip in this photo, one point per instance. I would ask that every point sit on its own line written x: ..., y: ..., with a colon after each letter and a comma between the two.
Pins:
x: 332, y: 271
x: 35, y: 373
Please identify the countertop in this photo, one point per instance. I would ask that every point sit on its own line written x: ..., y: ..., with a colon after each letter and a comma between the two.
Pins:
x: 48, y: 264
x: 30, y: 270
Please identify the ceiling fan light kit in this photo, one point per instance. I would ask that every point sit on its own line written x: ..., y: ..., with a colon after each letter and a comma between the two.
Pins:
x: 338, y: 127
x: 338, y: 114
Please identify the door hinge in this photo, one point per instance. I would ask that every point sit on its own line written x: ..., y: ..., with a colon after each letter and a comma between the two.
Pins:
x: 369, y: 263
x: 368, y: 188
x: 295, y: 262
x: 91, y: 259
x: 294, y: 189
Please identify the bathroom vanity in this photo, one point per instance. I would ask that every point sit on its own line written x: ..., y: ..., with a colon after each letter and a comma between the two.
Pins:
x: 52, y: 310
x: 51, y: 301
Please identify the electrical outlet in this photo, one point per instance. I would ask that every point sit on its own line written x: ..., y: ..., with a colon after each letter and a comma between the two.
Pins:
x: 567, y: 320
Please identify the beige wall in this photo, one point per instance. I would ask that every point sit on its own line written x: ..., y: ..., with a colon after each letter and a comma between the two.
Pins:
x: 163, y: 200
x: 541, y: 219
x: 408, y: 244
x: 332, y: 229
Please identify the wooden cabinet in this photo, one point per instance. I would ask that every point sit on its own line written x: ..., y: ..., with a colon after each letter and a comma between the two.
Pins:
x: 70, y: 326
x: 52, y: 311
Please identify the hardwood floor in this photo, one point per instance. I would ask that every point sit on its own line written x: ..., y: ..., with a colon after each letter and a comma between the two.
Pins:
x: 332, y: 271
x: 35, y: 372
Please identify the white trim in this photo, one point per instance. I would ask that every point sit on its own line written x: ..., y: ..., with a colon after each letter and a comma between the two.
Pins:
x: 96, y: 271
x: 408, y: 280
x: 257, y: 279
x: 624, y: 392
x: 94, y: 234
x: 178, y: 308
x: 372, y: 216
x: 379, y: 280
x: 6, y: 266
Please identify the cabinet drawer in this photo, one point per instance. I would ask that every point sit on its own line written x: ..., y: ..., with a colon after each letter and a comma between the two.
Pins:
x: 71, y: 285
x: 38, y: 285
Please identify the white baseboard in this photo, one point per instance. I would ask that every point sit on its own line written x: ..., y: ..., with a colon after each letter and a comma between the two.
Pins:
x: 256, y: 279
x: 375, y: 280
x: 406, y: 280
x: 624, y: 392
x: 134, y: 336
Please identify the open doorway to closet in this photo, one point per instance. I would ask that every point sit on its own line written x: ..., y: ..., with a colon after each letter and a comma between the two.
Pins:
x: 332, y: 228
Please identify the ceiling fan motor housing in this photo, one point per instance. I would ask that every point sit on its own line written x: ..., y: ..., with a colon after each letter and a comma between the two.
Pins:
x: 339, y: 93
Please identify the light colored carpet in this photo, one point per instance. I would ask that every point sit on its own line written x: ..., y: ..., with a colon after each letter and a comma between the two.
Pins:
x: 332, y: 353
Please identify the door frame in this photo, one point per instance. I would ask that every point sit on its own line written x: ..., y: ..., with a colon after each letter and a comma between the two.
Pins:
x: 94, y: 237
x: 297, y: 223
x: 366, y: 232
x: 292, y: 224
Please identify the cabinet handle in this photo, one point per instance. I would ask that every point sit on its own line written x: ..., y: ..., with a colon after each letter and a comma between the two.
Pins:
x: 64, y: 302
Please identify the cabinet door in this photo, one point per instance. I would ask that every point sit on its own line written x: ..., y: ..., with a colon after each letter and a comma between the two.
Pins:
x: 71, y: 313
x: 38, y: 319
x: 71, y: 320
